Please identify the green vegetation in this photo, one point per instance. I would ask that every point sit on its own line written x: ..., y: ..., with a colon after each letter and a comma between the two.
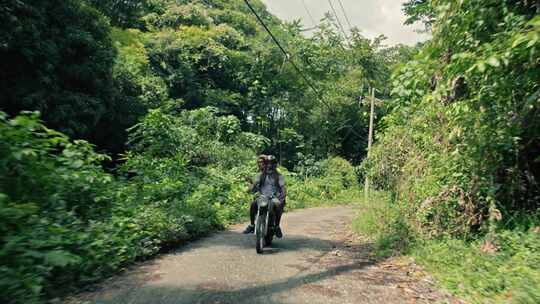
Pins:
x: 503, y: 270
x: 108, y: 62
x: 129, y: 126
x: 152, y: 114
x: 458, y: 156
x: 330, y: 181
x: 79, y: 223
x: 384, y: 223
x: 510, y: 276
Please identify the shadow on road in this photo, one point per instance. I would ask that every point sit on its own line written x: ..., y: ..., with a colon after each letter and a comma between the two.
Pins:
x: 262, y: 293
x: 218, y: 293
x: 289, y: 242
x: 309, y: 260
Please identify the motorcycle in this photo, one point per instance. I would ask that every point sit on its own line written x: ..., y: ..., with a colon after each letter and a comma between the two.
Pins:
x: 265, y: 222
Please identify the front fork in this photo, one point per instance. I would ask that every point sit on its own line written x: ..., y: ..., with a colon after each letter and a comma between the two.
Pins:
x: 269, y: 216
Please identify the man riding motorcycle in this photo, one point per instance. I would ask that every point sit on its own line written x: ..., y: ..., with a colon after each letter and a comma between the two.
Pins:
x: 272, y: 184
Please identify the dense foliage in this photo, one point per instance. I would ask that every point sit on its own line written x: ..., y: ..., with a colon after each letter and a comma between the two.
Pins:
x: 79, y: 223
x: 177, y: 97
x: 461, y: 144
x: 188, y: 79
x: 502, y: 268
x: 182, y: 95
x: 95, y: 67
x: 459, y: 151
x: 56, y: 58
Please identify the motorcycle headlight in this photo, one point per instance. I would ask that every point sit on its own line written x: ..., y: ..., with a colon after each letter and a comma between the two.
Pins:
x: 262, y: 201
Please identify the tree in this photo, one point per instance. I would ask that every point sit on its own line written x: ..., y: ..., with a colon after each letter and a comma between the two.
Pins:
x: 419, y: 11
x: 56, y: 57
x: 461, y: 142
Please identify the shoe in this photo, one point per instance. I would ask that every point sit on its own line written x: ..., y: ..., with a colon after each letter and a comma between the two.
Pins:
x: 279, y: 234
x: 249, y: 229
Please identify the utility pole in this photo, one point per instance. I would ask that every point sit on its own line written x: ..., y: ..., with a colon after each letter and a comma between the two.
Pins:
x: 370, y: 140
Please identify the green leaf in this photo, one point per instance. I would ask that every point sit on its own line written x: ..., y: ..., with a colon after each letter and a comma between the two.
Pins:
x: 481, y: 66
x: 60, y: 258
x: 493, y: 61
x: 77, y: 164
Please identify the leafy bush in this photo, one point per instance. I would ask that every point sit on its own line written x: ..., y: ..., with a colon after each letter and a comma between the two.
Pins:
x: 183, y: 178
x: 68, y: 222
x: 385, y: 224
x: 499, y: 268
x: 56, y: 58
x: 79, y: 224
x: 337, y: 182
x: 175, y: 16
x: 50, y: 190
x: 459, y: 148
x: 510, y: 275
x: 458, y: 155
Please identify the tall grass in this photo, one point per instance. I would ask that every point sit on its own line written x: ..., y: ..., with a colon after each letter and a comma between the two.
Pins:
x: 506, y: 272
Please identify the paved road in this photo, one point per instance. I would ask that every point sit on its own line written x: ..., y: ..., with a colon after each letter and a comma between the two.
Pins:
x: 318, y: 261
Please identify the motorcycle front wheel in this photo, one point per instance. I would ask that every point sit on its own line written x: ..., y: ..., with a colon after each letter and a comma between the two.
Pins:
x: 268, y: 239
x: 260, y: 233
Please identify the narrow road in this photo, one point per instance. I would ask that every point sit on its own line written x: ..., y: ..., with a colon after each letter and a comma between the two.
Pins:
x: 319, y: 260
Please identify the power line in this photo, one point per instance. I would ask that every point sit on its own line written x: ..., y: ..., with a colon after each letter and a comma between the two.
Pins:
x: 337, y: 19
x: 345, y: 14
x: 309, y: 14
x: 308, y: 29
x: 319, y: 96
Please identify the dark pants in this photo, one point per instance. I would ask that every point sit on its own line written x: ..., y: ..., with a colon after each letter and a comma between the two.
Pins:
x: 278, y: 211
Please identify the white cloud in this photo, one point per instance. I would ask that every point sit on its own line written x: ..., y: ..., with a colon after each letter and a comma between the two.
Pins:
x: 372, y: 17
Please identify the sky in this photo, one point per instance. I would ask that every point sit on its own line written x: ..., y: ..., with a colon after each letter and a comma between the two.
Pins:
x: 372, y: 17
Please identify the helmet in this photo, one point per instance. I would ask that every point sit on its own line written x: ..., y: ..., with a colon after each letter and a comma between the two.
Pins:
x: 271, y: 159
